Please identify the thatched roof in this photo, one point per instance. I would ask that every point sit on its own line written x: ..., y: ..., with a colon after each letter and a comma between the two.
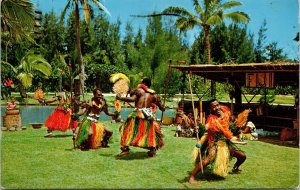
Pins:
x: 284, y: 73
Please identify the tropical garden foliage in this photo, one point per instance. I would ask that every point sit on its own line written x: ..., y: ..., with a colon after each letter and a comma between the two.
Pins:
x: 136, y: 52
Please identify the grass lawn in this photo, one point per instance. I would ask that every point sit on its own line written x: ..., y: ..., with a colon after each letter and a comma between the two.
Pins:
x: 30, y: 161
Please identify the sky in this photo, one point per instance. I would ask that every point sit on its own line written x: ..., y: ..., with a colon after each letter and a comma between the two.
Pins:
x: 282, y: 17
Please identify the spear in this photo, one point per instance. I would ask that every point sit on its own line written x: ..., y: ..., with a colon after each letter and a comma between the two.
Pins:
x: 195, y: 119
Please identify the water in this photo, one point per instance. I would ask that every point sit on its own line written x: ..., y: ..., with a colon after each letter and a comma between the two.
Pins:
x: 39, y: 114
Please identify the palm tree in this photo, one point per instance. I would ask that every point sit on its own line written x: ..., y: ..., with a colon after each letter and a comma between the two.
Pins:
x: 87, y: 9
x: 30, y: 65
x: 211, y: 13
x: 17, y: 18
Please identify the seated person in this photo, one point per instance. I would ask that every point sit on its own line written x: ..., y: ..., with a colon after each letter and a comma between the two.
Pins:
x: 179, y: 112
x: 188, y: 121
x: 248, y: 132
x: 11, y: 105
x: 186, y: 127
x: 241, y: 127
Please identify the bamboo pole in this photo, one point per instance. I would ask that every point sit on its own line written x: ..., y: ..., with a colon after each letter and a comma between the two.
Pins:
x: 195, y: 120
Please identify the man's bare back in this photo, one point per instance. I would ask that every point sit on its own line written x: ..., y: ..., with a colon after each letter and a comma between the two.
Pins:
x: 144, y: 99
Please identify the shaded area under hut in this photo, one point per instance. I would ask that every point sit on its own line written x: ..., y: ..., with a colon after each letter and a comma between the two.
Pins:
x: 280, y: 118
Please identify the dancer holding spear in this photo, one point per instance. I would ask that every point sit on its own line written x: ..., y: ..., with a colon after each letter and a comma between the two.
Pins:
x: 195, y: 122
x: 219, y: 144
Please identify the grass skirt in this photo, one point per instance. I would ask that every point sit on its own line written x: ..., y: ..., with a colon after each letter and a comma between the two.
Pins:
x: 219, y: 166
x: 221, y: 163
x: 84, y: 140
x: 59, y: 119
x: 140, y: 132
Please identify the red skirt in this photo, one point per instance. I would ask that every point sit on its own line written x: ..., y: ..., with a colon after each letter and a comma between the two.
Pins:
x: 59, y: 120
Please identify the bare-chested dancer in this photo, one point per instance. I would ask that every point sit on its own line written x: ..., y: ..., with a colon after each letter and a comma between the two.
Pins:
x: 140, y: 129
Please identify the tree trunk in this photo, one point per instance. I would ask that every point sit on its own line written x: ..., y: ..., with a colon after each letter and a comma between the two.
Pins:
x: 22, y: 90
x: 207, y: 49
x: 207, y: 43
x: 82, y: 71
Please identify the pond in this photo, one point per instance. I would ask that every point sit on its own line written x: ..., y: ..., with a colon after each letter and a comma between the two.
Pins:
x: 39, y: 114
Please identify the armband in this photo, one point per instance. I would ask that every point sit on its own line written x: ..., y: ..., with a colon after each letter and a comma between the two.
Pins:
x: 198, y: 145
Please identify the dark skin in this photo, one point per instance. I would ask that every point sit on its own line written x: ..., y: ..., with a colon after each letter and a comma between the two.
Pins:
x: 215, y: 109
x: 99, y: 100
x: 142, y: 99
x: 97, y: 109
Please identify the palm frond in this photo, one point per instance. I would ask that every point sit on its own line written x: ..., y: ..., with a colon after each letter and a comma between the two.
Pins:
x: 63, y: 13
x: 156, y: 15
x: 210, y: 6
x: 24, y: 64
x: 215, y: 19
x: 44, y: 69
x: 25, y: 79
x: 32, y: 62
x: 34, y: 58
x: 229, y: 5
x: 102, y: 7
x: 17, y: 17
x: 197, y: 7
x: 186, y: 23
x: 86, y: 11
x: 239, y: 17
x: 179, y: 11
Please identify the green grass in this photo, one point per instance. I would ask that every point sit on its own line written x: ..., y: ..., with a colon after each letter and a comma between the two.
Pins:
x: 28, y: 160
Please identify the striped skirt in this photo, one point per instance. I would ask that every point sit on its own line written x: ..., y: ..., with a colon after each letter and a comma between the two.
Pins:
x: 140, y: 132
x: 84, y: 140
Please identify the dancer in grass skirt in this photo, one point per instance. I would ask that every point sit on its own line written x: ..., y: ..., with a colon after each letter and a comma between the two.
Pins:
x: 140, y: 129
x: 219, y: 147
x: 60, y: 118
x: 92, y: 134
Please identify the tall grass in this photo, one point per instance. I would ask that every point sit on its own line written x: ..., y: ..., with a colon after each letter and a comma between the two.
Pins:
x: 28, y: 160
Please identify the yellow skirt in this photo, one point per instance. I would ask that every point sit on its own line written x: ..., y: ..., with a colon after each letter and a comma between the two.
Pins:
x: 222, y: 159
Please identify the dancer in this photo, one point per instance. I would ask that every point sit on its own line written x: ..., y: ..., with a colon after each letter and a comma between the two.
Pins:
x: 93, y: 134
x: 219, y: 146
x: 60, y: 119
x: 140, y: 129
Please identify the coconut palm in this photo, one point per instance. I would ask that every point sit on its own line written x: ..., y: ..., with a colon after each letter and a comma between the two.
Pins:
x: 87, y: 10
x: 210, y: 13
x: 30, y: 65
x: 17, y: 18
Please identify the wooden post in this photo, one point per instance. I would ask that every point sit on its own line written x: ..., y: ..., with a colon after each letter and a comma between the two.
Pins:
x: 166, y: 90
x: 201, y: 111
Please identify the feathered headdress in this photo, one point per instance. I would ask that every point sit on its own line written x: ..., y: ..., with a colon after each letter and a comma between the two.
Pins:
x: 121, y: 86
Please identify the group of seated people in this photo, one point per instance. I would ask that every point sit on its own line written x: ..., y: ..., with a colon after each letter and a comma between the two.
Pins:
x: 185, y: 122
x: 185, y: 125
